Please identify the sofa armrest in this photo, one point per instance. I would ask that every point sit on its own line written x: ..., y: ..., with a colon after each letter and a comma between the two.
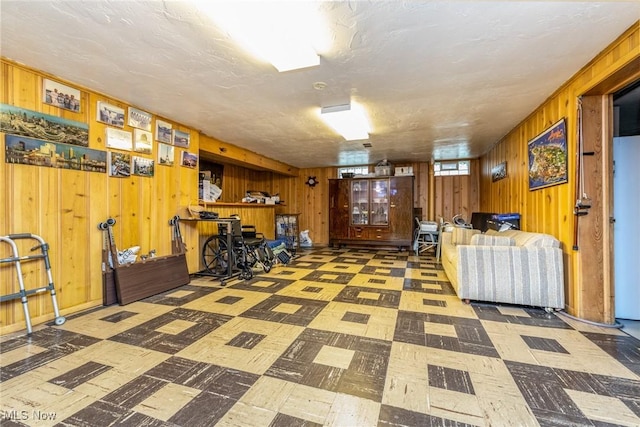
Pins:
x: 514, y: 274
x: 491, y: 240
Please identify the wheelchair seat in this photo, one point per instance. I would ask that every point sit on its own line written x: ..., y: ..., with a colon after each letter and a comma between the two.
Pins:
x: 250, y: 236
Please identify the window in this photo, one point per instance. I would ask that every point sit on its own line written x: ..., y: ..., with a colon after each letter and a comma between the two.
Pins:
x: 357, y: 170
x: 460, y: 167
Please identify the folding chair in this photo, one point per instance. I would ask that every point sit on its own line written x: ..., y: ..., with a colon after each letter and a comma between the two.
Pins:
x: 426, y: 236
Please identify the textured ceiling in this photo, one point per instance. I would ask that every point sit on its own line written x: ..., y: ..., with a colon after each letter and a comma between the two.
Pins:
x: 440, y: 80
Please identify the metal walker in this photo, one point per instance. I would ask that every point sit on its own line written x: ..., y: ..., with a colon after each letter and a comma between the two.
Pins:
x: 24, y: 293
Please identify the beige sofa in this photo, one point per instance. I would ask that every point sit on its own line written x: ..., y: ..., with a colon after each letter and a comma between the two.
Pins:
x: 513, y: 266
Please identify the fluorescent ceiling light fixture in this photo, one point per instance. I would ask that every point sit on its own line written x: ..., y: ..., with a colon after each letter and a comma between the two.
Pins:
x: 348, y: 120
x: 288, y: 34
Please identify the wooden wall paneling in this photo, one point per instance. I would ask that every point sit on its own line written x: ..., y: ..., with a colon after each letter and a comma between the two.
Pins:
x: 97, y: 199
x: 422, y: 195
x: 73, y: 289
x: 550, y: 210
x: 64, y: 207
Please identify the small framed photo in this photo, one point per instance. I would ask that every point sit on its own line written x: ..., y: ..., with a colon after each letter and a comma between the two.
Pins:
x: 163, y: 131
x: 110, y: 114
x: 119, y: 139
x: 165, y: 154
x: 119, y: 164
x: 143, y: 166
x: 189, y: 160
x: 59, y: 95
x: 142, y: 141
x: 180, y: 138
x: 139, y: 119
x: 499, y: 172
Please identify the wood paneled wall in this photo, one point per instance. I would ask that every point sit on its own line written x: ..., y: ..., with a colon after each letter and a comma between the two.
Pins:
x: 550, y: 210
x: 455, y: 195
x: 64, y: 207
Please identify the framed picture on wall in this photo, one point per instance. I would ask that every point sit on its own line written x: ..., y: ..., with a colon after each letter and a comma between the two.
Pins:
x: 180, y: 138
x: 165, y: 154
x: 119, y: 139
x: 143, y: 166
x: 139, y: 119
x: 142, y: 141
x: 163, y: 131
x: 110, y: 114
x: 119, y: 164
x: 189, y: 160
x: 499, y: 172
x: 60, y: 95
x: 548, y: 157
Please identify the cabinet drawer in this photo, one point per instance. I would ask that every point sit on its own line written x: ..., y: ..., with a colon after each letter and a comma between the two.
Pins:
x: 379, y: 233
x: 358, y: 233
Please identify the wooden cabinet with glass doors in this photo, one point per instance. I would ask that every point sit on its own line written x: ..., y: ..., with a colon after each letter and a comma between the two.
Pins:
x: 371, y: 211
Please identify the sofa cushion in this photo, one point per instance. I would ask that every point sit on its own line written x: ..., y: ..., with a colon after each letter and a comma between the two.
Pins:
x: 489, y: 240
x: 462, y: 236
x: 525, y: 238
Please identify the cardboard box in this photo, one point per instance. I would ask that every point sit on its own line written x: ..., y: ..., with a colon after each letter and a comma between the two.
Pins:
x: 383, y: 171
x: 404, y: 171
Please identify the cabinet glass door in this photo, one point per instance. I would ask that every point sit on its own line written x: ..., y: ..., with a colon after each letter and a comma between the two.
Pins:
x: 359, y: 202
x: 379, y: 202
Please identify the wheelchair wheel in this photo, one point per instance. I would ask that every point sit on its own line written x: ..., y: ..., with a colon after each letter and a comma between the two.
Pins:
x: 215, y: 255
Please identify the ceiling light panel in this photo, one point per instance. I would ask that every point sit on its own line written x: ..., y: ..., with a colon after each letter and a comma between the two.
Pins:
x: 286, y: 34
x: 348, y: 120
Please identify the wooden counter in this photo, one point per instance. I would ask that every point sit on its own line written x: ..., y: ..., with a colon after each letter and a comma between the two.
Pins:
x: 258, y: 214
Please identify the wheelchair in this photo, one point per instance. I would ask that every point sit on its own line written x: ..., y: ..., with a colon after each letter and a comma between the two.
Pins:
x: 248, y: 249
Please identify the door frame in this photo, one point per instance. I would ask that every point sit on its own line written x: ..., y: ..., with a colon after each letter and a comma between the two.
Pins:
x: 596, y: 229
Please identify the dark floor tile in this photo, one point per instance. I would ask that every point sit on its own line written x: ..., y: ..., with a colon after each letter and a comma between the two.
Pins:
x: 275, y: 284
x: 537, y: 316
x: 470, y: 334
x: 548, y: 418
x: 416, y: 285
x: 246, y: 340
x: 307, y: 310
x: 80, y: 375
x: 329, y: 276
x: 119, y: 316
x: 204, y: 376
x: 428, y: 274
x: 147, y: 336
x: 96, y: 414
x: 204, y: 410
x: 543, y: 390
x: 365, y: 376
x: 356, y: 317
x: 140, y: 420
x: 434, y: 302
x: 386, y: 298
x: 73, y: 343
x: 230, y: 300
x: 135, y: 391
x: 450, y: 379
x: 545, y: 344
x: 383, y: 271
x: 165, y: 298
x: 305, y: 264
x: 283, y: 420
x: 625, y: 349
x: 391, y: 257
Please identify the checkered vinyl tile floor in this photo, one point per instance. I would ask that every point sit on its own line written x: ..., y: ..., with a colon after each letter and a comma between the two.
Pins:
x: 339, y: 337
